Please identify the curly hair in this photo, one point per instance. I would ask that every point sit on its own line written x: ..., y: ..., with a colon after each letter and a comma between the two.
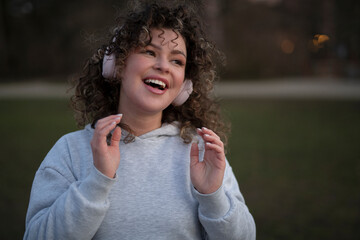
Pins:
x: 96, y: 97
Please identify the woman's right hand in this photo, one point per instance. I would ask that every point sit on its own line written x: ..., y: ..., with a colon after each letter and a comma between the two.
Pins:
x: 106, y: 157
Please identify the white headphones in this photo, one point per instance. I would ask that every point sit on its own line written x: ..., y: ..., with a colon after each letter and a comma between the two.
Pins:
x: 109, y: 72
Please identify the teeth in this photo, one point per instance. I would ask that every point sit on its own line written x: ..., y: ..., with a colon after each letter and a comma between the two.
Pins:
x: 157, y: 82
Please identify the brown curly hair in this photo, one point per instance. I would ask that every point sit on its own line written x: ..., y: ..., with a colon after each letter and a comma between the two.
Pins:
x: 96, y: 97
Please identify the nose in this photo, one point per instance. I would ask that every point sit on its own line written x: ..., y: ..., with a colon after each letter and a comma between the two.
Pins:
x: 162, y: 65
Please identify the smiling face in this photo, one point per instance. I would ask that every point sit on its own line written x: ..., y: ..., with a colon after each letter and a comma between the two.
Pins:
x: 153, y: 75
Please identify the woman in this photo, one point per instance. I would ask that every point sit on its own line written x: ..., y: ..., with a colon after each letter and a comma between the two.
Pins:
x: 146, y: 165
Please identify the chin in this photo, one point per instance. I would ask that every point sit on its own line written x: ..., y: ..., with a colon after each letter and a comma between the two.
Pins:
x: 155, y: 106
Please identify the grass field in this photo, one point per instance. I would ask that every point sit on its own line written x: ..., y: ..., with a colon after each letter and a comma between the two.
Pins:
x: 297, y: 163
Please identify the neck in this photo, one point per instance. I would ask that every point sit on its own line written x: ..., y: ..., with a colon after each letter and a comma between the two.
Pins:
x: 141, y: 123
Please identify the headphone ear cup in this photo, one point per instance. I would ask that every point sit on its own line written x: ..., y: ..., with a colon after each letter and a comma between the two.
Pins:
x: 108, y: 70
x: 184, y: 93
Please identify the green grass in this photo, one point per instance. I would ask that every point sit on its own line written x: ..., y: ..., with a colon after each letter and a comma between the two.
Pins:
x: 29, y: 128
x: 297, y: 163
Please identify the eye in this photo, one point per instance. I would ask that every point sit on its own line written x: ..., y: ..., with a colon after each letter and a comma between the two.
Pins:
x: 178, y: 62
x: 149, y: 52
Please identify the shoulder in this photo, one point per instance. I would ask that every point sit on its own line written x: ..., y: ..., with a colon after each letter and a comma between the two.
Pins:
x: 69, y: 144
x: 75, y: 138
x: 78, y: 137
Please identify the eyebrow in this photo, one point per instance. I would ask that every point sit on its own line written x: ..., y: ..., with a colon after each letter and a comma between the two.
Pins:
x: 172, y: 52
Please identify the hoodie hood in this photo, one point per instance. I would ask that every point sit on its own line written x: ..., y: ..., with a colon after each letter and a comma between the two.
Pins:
x: 166, y: 130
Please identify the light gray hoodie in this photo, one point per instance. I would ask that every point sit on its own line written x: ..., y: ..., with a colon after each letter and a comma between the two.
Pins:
x: 151, y: 197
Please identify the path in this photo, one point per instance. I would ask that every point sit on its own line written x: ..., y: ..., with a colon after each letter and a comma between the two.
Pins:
x: 269, y: 89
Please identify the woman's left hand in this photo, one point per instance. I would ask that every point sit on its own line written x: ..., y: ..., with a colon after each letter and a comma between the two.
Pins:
x: 207, y: 175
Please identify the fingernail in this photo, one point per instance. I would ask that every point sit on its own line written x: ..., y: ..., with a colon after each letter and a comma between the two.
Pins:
x: 120, y: 114
x: 206, y: 135
x: 204, y: 128
x: 199, y: 129
x: 118, y: 118
x: 207, y: 143
x: 113, y: 123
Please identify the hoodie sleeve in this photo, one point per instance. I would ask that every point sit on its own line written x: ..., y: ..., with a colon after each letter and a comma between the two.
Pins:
x: 62, y: 207
x: 224, y: 214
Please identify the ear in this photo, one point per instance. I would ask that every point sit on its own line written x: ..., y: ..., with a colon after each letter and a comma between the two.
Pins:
x: 108, y: 70
x: 184, y: 93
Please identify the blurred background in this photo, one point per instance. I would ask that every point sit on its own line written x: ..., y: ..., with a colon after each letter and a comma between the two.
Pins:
x: 261, y: 38
x: 290, y: 89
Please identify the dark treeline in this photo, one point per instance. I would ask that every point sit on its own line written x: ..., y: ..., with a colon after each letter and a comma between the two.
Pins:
x: 261, y: 38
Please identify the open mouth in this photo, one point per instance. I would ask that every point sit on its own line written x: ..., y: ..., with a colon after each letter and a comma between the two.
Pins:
x: 155, y: 84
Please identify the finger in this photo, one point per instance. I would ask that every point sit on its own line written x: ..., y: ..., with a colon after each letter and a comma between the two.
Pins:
x: 99, y: 139
x: 194, y: 154
x: 199, y: 132
x: 116, y: 136
x: 106, y: 121
x: 212, y: 139
x: 101, y: 126
x: 208, y: 138
x: 105, y: 130
x: 100, y: 136
x: 216, y: 148
x: 209, y: 132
